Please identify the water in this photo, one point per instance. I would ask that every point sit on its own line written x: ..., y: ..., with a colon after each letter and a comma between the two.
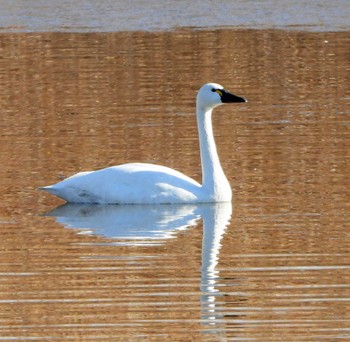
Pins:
x: 136, y: 15
x: 274, y: 266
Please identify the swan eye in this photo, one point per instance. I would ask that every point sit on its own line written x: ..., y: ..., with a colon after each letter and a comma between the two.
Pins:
x: 217, y: 91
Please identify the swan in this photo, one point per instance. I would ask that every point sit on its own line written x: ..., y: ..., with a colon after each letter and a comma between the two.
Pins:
x: 140, y: 183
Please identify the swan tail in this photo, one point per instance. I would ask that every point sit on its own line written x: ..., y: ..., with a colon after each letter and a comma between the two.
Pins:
x: 51, y: 189
x: 72, y: 194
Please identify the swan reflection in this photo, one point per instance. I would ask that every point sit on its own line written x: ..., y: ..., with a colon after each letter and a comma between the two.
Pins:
x: 148, y: 224
x: 215, y: 221
x: 135, y: 224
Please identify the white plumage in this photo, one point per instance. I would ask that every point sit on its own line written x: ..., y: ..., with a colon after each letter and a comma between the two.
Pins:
x: 139, y: 183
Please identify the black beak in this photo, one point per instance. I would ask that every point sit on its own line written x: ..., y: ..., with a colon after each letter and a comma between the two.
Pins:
x: 227, y: 97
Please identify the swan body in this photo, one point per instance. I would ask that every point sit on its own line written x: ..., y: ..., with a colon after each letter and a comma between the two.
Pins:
x: 140, y: 183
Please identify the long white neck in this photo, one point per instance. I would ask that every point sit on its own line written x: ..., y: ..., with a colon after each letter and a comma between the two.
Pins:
x: 214, y: 181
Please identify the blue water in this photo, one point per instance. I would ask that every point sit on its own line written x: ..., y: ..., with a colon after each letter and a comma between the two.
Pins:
x: 155, y: 15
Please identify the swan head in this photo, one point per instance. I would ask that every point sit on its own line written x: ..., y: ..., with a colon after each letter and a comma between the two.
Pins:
x: 212, y: 95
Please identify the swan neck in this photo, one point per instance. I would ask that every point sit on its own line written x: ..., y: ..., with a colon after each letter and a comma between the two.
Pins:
x: 213, y: 177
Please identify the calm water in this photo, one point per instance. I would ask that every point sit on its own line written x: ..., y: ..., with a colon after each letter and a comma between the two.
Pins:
x: 151, y: 15
x: 274, y: 266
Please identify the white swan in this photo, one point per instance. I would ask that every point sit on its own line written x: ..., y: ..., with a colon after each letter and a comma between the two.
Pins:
x: 137, y: 183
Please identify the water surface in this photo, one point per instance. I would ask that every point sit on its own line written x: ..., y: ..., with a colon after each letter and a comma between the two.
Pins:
x: 273, y: 266
x: 153, y: 15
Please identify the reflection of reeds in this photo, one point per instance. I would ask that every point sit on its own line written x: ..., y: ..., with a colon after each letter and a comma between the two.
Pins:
x: 74, y: 102
x: 80, y: 101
